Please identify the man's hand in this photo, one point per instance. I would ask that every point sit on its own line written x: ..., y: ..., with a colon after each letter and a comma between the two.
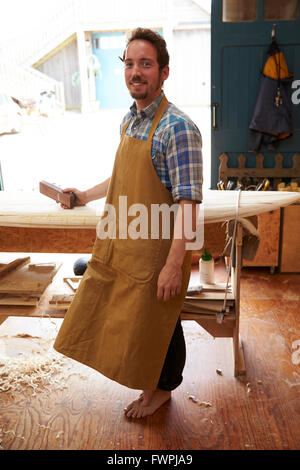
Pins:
x: 169, y: 281
x: 83, y: 197
x: 170, y: 278
x: 80, y: 197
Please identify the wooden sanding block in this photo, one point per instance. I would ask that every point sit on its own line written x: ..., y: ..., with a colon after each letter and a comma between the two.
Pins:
x: 56, y: 193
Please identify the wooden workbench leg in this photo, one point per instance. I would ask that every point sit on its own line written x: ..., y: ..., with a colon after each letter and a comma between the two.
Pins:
x: 239, y: 363
x: 241, y: 366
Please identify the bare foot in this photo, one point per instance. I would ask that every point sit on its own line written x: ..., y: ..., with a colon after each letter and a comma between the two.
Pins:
x: 144, y: 397
x: 147, y: 403
x: 133, y: 403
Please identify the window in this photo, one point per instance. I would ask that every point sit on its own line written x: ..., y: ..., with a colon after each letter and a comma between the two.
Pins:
x: 112, y: 42
x: 235, y: 11
x: 281, y: 9
x: 96, y: 43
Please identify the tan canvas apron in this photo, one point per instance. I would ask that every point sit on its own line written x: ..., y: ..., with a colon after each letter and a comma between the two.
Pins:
x: 115, y: 323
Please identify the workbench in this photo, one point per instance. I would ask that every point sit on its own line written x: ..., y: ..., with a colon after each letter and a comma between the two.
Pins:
x: 32, y: 223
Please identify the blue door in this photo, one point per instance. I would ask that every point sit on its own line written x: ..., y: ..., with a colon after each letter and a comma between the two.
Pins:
x: 111, y: 91
x: 241, y: 34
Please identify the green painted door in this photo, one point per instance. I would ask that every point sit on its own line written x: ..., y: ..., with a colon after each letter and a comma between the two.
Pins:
x: 241, y: 34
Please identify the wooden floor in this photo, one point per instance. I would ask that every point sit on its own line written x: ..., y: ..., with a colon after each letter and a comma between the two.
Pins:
x: 84, y: 410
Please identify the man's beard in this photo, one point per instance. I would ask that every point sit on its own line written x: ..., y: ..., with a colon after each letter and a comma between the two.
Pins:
x: 138, y: 96
x: 142, y: 96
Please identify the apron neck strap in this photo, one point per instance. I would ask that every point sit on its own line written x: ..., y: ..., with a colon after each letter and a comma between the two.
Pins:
x: 158, y: 115
x: 125, y: 127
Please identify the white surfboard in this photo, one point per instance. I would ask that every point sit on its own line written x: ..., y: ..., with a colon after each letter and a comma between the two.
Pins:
x: 32, y: 209
x: 222, y: 205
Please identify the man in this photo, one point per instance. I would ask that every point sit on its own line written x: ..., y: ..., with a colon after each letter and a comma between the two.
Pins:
x: 125, y: 318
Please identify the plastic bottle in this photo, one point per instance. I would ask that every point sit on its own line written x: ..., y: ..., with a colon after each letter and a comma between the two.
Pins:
x: 206, y: 268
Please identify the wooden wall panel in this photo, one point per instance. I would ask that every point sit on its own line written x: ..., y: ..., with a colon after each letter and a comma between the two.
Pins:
x: 42, y: 240
x: 290, y: 243
x: 269, y: 230
x: 59, y: 240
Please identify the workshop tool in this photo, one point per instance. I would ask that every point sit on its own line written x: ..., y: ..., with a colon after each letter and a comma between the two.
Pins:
x: 266, y: 185
x: 263, y: 185
x: 56, y: 193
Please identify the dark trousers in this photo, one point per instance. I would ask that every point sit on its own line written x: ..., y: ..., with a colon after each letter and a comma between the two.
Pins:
x: 171, y: 374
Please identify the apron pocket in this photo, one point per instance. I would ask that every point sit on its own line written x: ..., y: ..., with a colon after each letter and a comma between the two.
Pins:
x: 138, y: 259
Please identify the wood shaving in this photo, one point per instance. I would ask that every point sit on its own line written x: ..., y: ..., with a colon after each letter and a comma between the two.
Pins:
x: 193, y: 398
x: 25, y: 335
x: 206, y: 404
x: 51, y: 321
x: 43, y: 426
x: 30, y: 371
x: 11, y: 431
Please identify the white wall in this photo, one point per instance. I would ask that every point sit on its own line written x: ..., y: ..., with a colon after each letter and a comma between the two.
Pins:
x: 190, y: 67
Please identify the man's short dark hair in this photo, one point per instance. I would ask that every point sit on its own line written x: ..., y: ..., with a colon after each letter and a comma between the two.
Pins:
x: 155, y: 39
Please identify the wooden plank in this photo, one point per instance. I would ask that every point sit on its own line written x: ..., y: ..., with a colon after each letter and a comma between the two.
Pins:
x: 42, y: 267
x: 8, y: 299
x: 30, y: 312
x: 211, y: 306
x: 213, y: 296
x: 17, y: 263
x: 218, y: 286
x: 24, y: 281
x: 61, y: 301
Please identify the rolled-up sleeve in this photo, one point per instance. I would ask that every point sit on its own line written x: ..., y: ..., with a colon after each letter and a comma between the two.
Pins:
x: 184, y: 160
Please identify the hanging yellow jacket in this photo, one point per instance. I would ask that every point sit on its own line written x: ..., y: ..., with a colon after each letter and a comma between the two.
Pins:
x: 272, y: 117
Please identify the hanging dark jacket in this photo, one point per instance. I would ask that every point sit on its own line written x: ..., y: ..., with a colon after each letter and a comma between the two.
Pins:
x: 272, y: 117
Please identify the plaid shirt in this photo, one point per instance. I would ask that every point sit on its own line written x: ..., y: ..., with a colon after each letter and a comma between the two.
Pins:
x: 176, y: 148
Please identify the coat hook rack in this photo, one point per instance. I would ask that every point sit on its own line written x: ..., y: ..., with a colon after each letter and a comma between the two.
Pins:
x: 273, y: 31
